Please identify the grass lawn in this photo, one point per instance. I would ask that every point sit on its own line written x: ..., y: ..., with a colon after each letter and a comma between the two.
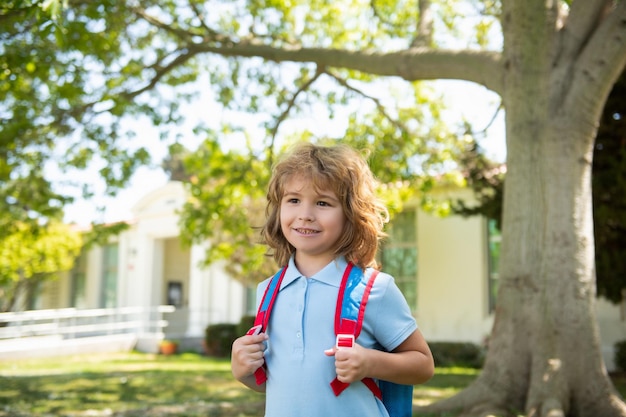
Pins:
x: 137, y: 384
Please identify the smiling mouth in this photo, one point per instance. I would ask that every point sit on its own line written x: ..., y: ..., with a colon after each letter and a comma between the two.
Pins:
x: 306, y: 231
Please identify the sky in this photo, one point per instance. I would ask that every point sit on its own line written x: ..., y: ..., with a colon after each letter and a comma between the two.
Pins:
x: 464, y: 100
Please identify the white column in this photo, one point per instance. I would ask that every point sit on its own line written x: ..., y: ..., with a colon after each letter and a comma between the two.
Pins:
x: 199, y: 293
x: 94, y: 277
x: 156, y: 273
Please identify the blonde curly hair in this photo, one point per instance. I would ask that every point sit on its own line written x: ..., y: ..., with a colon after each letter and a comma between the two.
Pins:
x: 344, y: 171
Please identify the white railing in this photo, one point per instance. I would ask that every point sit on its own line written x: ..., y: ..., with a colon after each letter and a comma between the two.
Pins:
x: 71, y: 323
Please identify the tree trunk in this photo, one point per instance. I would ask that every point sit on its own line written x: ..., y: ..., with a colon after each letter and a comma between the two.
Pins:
x: 544, y: 357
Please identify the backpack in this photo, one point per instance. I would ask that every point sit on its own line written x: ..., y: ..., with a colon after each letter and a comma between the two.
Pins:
x: 351, y: 301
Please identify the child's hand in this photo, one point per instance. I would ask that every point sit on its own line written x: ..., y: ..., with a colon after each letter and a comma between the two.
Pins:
x: 247, y: 355
x: 351, y: 364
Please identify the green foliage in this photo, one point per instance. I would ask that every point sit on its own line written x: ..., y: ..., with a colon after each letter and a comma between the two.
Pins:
x: 609, y: 198
x: 100, y: 234
x: 226, y: 205
x: 486, y: 179
x: 620, y: 355
x: 73, y: 73
x: 31, y: 254
x: 219, y: 339
x: 245, y: 324
x: 66, y: 80
x: 447, y: 354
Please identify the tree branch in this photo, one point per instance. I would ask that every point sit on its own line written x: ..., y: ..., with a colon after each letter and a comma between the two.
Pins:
x: 602, y: 61
x: 584, y: 17
x: 9, y: 13
x: 481, y: 67
x: 162, y: 71
x: 424, y: 37
x: 381, y: 108
x: 200, y: 17
x: 483, y: 131
x: 182, y: 33
x: 378, y: 15
x: 290, y: 104
x: 179, y: 33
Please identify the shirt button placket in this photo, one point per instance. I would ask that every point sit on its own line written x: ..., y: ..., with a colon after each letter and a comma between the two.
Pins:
x: 299, y: 342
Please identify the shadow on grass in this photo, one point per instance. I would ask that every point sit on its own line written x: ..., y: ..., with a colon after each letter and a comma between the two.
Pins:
x: 140, y: 385
x: 143, y: 386
x: 138, y: 393
x: 137, y: 385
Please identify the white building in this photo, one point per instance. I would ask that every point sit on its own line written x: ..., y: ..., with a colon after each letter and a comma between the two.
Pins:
x: 445, y: 267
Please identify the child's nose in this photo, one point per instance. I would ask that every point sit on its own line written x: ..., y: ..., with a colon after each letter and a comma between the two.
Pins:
x: 306, y: 214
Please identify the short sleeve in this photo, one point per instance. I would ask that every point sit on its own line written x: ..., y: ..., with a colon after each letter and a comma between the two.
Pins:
x: 388, y: 315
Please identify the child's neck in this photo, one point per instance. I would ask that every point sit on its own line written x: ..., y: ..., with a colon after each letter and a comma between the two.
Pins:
x: 311, y: 265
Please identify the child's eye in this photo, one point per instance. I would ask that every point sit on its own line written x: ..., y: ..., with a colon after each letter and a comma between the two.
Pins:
x: 323, y: 203
x: 292, y: 200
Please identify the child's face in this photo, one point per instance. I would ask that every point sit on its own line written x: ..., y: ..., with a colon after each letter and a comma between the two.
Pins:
x: 311, y: 220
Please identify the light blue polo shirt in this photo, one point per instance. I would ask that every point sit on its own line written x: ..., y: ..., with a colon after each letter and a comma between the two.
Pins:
x: 301, y: 327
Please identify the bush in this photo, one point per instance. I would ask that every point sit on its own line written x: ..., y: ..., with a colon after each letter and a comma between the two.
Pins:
x: 620, y: 355
x: 218, y: 338
x: 245, y: 324
x: 457, y: 354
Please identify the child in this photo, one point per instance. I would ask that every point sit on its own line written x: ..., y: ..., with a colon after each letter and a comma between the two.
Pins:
x: 322, y: 213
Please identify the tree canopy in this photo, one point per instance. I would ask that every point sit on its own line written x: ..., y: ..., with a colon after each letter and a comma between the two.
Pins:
x: 95, y: 65
x: 30, y: 255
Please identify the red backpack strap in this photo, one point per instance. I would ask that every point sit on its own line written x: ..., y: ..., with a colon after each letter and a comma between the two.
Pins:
x: 352, y: 299
x: 262, y: 318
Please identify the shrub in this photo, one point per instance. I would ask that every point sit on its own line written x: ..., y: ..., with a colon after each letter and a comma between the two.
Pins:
x: 457, y: 354
x: 620, y: 355
x: 245, y: 324
x: 219, y: 338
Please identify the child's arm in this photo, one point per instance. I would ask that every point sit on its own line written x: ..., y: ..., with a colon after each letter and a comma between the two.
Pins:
x: 410, y: 363
x: 247, y: 357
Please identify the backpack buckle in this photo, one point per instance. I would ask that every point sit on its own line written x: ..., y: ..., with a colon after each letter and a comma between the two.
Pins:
x: 344, y: 341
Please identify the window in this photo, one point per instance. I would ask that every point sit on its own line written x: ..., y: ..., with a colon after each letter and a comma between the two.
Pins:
x: 494, y: 239
x: 175, y: 294
x: 399, y: 254
x: 33, y: 294
x: 109, y: 276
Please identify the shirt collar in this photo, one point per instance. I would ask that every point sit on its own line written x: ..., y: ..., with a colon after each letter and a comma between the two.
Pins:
x: 331, y: 274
